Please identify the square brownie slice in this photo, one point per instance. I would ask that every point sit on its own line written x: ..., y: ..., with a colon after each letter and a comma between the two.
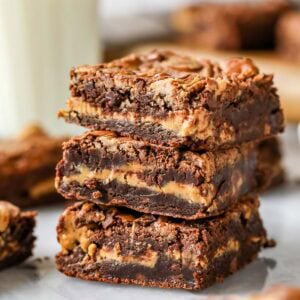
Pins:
x: 121, y: 246
x: 120, y: 171
x: 166, y: 98
x: 16, y: 234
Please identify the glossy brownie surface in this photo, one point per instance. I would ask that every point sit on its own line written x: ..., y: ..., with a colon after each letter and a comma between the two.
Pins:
x: 174, y: 100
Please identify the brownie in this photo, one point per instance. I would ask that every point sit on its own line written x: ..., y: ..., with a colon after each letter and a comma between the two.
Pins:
x: 28, y: 161
x: 165, y: 98
x: 16, y: 234
x: 288, y: 38
x: 270, y: 170
x: 122, y: 246
x: 149, y: 178
x: 229, y: 26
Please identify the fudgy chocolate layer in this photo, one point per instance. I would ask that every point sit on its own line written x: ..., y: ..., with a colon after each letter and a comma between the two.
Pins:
x: 165, y: 98
x: 121, y: 246
x: 140, y: 199
x: 108, y: 271
x: 167, y: 273
x: 152, y: 179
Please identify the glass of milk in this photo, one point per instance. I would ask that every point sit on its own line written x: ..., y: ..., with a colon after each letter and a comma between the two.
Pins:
x: 40, y: 40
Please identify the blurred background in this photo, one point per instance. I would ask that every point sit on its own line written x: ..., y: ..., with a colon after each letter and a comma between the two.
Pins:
x: 40, y: 40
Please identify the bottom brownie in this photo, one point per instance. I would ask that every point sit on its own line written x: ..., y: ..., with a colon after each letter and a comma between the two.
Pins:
x: 16, y: 234
x: 122, y: 246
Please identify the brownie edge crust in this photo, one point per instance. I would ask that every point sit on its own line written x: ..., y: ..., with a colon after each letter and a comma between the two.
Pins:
x: 122, y: 246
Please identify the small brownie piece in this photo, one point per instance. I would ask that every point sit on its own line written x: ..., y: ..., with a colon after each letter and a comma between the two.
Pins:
x: 120, y: 246
x: 16, y: 234
x: 29, y: 162
x: 120, y: 171
x: 288, y: 37
x: 270, y: 171
x: 168, y: 99
x: 230, y: 26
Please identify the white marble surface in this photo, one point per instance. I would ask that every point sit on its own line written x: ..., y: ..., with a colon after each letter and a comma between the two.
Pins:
x: 38, y: 279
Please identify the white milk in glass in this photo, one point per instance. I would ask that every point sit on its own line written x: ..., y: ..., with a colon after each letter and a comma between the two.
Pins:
x: 40, y: 40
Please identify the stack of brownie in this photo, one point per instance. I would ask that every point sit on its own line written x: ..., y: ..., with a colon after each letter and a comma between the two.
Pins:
x: 167, y: 174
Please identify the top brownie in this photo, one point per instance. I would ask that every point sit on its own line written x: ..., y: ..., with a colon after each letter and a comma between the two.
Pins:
x: 165, y: 98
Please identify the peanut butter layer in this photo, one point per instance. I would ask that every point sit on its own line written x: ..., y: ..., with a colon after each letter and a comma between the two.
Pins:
x: 185, y: 192
x: 8, y: 212
x: 29, y: 160
x: 176, y: 122
x: 108, y: 244
x: 153, y: 179
x: 165, y: 98
x: 16, y: 234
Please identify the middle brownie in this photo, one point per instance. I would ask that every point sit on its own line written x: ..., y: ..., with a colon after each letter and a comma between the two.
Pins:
x: 149, y: 178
